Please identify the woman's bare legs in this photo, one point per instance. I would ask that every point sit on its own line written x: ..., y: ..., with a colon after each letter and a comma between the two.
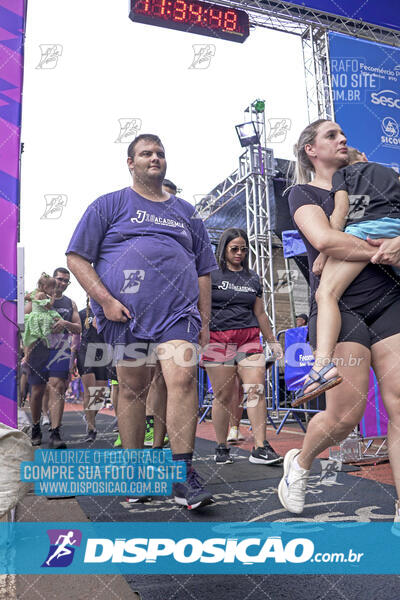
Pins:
x: 252, y: 373
x: 223, y: 382
x: 385, y: 362
x: 345, y: 405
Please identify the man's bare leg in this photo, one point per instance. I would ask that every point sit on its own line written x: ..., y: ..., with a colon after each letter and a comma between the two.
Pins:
x: 182, y: 399
x: 156, y: 406
x: 57, y: 387
x: 133, y: 383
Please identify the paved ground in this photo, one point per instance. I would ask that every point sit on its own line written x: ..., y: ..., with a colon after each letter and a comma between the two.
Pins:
x: 244, y: 492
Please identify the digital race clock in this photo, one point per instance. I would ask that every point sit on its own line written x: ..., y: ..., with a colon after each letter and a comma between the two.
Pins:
x: 194, y: 17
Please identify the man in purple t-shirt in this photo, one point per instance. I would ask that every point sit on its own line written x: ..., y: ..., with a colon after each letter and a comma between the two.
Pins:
x: 144, y: 258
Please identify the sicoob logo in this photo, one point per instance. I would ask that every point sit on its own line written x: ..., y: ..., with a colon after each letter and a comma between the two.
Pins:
x: 62, y: 547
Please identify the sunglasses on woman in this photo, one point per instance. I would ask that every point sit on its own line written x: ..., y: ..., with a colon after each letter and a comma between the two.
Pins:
x: 235, y: 249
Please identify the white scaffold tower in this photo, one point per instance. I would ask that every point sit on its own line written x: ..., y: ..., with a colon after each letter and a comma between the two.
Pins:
x: 254, y: 176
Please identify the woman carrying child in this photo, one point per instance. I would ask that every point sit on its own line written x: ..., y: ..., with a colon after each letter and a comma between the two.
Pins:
x: 369, y: 307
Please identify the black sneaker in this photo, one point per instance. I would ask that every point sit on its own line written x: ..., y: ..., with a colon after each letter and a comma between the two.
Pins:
x: 91, y: 436
x: 191, y: 493
x: 222, y: 456
x: 265, y: 455
x: 55, y: 441
x: 138, y: 499
x: 36, y: 435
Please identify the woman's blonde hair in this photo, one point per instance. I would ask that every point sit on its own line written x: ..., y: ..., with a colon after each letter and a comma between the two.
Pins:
x: 304, y: 166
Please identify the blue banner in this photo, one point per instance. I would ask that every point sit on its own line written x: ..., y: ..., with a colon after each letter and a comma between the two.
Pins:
x: 366, y: 96
x: 384, y: 13
x: 299, y: 357
x: 191, y: 548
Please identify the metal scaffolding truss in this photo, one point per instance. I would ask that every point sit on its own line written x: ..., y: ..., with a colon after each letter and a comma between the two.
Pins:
x: 254, y: 176
x: 317, y: 73
x: 256, y: 166
x: 284, y: 16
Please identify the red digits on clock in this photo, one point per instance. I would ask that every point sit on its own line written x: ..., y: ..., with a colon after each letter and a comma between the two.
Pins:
x: 195, y: 13
x: 215, y: 19
x: 179, y: 12
x: 142, y: 6
x: 158, y: 8
x: 230, y: 21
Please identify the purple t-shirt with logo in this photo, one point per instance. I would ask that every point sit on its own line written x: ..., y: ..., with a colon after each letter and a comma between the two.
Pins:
x: 149, y: 256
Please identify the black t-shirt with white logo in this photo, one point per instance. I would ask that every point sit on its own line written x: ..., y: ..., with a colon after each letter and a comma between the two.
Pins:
x: 233, y: 296
x: 374, y: 191
x: 375, y: 286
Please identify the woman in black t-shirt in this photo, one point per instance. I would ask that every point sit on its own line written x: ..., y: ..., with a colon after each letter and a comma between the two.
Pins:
x: 94, y: 378
x: 370, y: 309
x: 237, y: 316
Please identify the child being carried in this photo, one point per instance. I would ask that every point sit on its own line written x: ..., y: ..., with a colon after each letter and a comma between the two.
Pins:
x: 367, y: 201
x: 39, y: 323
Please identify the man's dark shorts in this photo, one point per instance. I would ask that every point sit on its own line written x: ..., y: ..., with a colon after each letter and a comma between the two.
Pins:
x: 47, y: 362
x: 373, y: 325
x: 119, y: 336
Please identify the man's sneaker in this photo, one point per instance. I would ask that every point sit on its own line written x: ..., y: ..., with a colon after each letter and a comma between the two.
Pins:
x: 138, y: 499
x: 292, y: 487
x: 234, y: 435
x: 118, y: 442
x: 222, y: 456
x: 36, y: 435
x: 45, y: 419
x: 396, y: 520
x: 55, y: 441
x: 91, y: 436
x: 191, y: 493
x: 149, y: 437
x: 265, y: 455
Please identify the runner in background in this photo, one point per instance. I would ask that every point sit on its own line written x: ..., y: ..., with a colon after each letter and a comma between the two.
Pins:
x: 237, y: 318
x: 94, y: 378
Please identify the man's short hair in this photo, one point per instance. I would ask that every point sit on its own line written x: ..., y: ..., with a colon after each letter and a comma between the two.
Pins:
x: 302, y: 316
x: 171, y: 185
x: 148, y: 137
x: 61, y: 270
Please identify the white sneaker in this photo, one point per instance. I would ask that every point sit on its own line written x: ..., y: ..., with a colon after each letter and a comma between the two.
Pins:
x: 292, y: 486
x: 396, y: 520
x: 45, y: 419
x: 234, y: 435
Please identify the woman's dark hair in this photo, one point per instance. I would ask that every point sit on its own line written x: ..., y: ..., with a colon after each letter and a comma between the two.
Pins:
x: 227, y: 236
x: 87, y: 323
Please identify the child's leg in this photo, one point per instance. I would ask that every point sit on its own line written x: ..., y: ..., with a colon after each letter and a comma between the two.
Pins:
x: 335, y: 279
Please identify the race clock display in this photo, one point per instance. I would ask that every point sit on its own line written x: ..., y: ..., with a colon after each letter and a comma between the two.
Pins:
x: 194, y: 17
